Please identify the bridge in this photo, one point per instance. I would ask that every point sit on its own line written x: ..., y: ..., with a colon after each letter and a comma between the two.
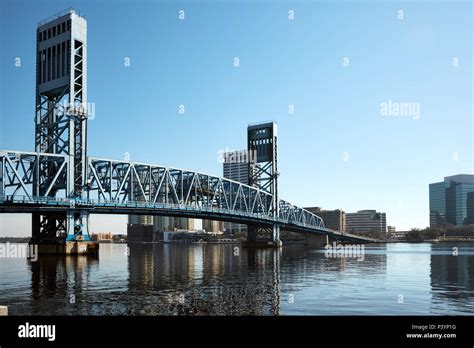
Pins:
x: 61, y: 186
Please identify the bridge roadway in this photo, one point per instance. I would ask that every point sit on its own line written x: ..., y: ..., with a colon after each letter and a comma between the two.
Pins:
x: 124, y: 187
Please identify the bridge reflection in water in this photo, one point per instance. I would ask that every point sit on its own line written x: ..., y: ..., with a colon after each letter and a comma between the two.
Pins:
x: 209, y: 279
x: 194, y: 279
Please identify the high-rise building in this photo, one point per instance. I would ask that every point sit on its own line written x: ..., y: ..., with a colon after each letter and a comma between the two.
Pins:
x: 167, y: 223
x: 452, y: 201
x: 213, y: 226
x: 366, y: 221
x: 236, y: 167
x: 437, y: 204
x: 140, y: 220
x: 333, y: 219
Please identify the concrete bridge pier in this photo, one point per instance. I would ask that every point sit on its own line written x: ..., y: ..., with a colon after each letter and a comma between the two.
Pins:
x: 63, y: 234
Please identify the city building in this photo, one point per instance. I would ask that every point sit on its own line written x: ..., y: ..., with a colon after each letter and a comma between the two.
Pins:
x: 366, y: 221
x: 452, y: 201
x: 138, y: 227
x: 140, y: 220
x: 144, y: 231
x: 236, y: 167
x: 212, y: 226
x: 140, y: 233
x: 333, y: 219
x: 102, y: 237
x: 167, y: 223
x: 391, y: 231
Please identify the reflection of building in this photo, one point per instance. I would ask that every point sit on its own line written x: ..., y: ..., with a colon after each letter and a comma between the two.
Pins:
x: 452, y: 201
x: 333, y: 219
x: 236, y: 167
x: 366, y: 221
x: 448, y: 272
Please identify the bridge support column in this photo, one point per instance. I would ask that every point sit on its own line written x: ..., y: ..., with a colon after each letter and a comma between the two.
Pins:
x: 276, y: 233
x: 269, y: 237
x: 63, y: 233
x: 77, y: 226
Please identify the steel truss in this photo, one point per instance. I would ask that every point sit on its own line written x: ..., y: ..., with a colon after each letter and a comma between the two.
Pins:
x: 138, y: 186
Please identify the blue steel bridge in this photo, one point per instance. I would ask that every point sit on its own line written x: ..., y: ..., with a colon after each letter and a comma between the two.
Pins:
x: 60, y: 185
x: 124, y: 187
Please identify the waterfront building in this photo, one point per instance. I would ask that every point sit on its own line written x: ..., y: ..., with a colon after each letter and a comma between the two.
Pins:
x: 366, y: 221
x: 167, y: 223
x: 452, y: 201
x: 102, y: 237
x: 333, y: 219
x: 212, y: 226
x: 140, y: 220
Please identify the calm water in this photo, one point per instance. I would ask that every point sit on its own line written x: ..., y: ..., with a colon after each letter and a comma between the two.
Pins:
x: 210, y: 279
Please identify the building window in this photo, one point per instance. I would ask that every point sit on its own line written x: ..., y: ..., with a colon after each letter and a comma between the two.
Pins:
x: 68, y: 51
x: 63, y: 25
x: 43, y: 62
x: 58, y: 60
x: 54, y: 31
x: 49, y: 33
x: 63, y: 60
x: 53, y: 63
x: 49, y: 63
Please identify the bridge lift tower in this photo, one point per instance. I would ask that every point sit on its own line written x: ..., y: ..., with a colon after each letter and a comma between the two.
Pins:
x: 262, y: 147
x: 61, y: 124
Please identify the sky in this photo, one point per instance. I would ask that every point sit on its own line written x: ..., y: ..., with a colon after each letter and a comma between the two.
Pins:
x: 342, y: 67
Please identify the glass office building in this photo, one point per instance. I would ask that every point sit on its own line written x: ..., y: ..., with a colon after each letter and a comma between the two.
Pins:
x: 437, y: 204
x: 452, y: 201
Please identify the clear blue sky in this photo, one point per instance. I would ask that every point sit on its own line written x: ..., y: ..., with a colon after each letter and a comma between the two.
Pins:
x: 391, y: 160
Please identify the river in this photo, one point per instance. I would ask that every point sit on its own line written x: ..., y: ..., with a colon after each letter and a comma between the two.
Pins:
x: 145, y: 279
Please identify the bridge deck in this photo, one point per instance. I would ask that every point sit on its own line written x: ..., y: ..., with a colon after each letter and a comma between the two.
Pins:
x: 25, y: 204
